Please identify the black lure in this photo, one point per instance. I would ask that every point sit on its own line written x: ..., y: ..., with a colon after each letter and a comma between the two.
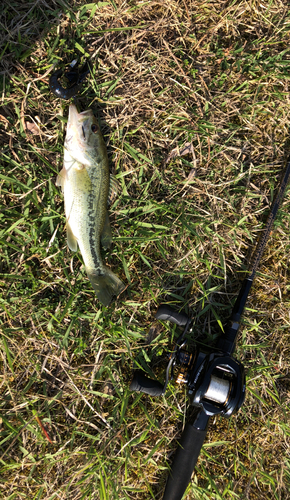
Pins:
x: 75, y: 77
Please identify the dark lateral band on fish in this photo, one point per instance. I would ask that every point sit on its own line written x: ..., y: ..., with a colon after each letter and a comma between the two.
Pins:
x: 75, y: 78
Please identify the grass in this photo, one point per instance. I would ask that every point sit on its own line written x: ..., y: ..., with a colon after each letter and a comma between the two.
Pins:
x: 212, y: 77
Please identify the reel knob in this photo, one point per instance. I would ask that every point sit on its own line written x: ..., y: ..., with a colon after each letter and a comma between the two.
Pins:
x: 165, y: 313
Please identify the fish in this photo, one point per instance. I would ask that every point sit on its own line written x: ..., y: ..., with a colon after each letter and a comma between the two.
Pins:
x: 85, y: 183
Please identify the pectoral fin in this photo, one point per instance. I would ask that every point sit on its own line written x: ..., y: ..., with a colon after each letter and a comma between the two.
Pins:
x: 72, y: 242
x: 60, y: 179
x: 106, y: 236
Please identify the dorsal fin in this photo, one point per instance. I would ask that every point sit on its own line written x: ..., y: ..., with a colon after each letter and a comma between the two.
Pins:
x: 114, y: 189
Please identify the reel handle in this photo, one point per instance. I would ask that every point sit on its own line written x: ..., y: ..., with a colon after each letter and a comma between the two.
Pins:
x: 140, y: 383
x: 165, y: 313
x: 186, y: 457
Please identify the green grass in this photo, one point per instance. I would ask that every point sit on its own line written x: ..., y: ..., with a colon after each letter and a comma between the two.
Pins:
x: 212, y: 74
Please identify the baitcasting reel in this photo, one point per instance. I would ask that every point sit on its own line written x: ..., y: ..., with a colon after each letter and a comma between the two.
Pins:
x: 215, y: 380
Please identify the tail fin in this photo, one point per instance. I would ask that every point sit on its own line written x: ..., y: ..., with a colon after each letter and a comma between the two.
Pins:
x: 105, y: 285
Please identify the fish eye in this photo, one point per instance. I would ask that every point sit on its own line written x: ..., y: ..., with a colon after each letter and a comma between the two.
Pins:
x: 94, y: 128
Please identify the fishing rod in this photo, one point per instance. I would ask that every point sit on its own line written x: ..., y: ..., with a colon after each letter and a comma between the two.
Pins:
x: 214, y: 378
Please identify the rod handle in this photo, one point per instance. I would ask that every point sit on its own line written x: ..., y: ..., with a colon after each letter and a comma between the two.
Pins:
x: 185, y: 459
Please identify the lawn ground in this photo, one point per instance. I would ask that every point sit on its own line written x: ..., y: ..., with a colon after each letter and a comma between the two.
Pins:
x: 193, y: 102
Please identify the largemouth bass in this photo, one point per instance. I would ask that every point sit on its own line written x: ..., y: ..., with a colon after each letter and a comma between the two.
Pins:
x: 85, y: 181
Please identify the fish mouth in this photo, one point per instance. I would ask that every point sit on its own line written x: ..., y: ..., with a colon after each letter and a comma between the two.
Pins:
x: 73, y: 114
x: 77, y: 123
x: 74, y: 117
